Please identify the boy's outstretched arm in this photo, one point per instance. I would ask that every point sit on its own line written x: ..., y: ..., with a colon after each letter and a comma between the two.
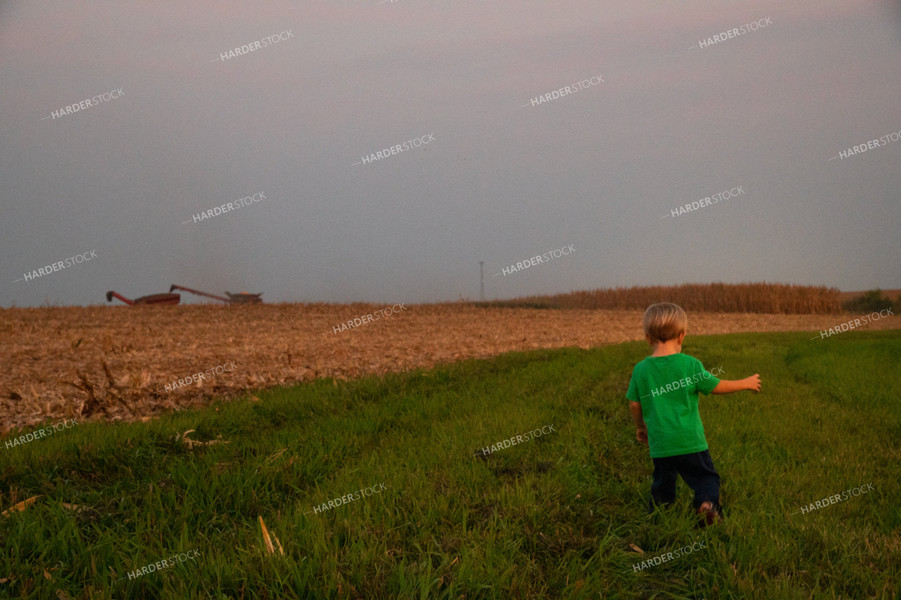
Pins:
x: 727, y: 386
x: 641, y: 430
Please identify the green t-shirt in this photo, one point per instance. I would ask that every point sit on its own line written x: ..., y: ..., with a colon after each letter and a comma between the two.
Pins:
x: 667, y: 388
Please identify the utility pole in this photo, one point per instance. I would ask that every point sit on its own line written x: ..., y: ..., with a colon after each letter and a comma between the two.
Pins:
x: 481, y: 281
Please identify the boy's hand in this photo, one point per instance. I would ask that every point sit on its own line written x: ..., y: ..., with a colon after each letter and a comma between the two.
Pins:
x: 753, y: 382
x: 642, y: 436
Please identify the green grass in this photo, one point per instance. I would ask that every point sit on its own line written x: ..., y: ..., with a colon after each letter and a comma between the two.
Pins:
x: 553, y: 517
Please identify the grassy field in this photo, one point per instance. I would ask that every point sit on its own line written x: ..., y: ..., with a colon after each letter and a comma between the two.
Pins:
x: 561, y: 516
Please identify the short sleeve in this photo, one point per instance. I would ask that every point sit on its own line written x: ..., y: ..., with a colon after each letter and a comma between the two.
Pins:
x: 706, y: 380
x: 632, y: 392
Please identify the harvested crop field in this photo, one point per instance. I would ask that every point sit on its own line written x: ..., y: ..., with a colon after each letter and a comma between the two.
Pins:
x: 113, y: 363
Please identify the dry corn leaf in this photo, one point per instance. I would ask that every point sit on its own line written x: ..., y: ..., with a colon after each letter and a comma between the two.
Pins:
x: 280, y: 549
x: 266, y: 536
x: 267, y: 539
x: 636, y: 548
x: 20, y: 506
x: 276, y: 455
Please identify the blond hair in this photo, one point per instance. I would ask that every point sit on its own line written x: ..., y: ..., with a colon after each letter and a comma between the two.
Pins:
x: 664, y: 321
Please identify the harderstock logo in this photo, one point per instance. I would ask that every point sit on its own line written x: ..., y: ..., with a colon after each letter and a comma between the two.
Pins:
x: 564, y: 91
x: 227, y: 207
x: 864, y: 320
x: 734, y: 32
x: 191, y: 379
x: 161, y: 564
x: 40, y: 433
x: 835, y: 498
x: 59, y: 265
x: 516, y: 439
x: 537, y: 260
x: 869, y: 145
x: 368, y: 318
x: 85, y: 104
x: 685, y: 382
x: 396, y: 149
x: 347, y: 498
x: 668, y: 556
x: 269, y: 40
x: 708, y: 201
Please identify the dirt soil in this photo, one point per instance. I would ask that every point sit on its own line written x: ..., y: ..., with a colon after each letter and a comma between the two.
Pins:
x: 113, y: 363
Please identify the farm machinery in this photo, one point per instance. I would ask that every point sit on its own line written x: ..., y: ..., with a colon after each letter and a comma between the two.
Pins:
x: 151, y: 299
x: 241, y: 298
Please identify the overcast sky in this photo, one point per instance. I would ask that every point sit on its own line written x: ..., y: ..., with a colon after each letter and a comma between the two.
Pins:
x: 675, y: 120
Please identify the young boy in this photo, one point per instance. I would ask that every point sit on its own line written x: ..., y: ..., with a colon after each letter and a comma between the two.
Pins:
x: 663, y: 399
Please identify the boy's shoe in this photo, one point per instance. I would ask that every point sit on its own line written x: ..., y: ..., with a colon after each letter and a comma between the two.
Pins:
x: 708, y: 515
